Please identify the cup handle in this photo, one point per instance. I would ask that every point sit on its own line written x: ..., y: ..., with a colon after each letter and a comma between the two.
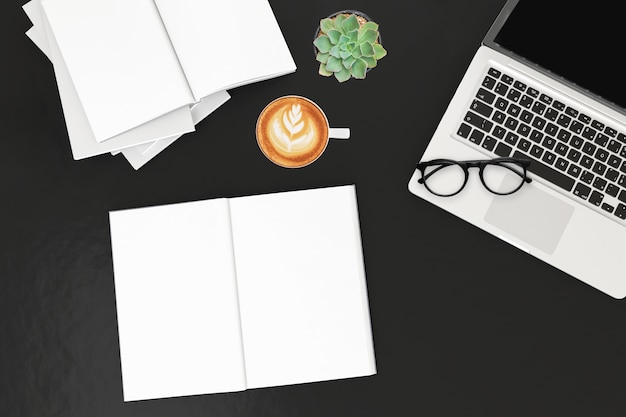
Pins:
x: 339, y: 132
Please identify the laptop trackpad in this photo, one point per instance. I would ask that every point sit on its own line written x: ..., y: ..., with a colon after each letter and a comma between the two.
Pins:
x: 532, y: 216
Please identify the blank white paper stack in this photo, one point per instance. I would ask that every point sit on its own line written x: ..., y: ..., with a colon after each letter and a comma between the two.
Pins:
x: 135, y: 75
x: 236, y: 293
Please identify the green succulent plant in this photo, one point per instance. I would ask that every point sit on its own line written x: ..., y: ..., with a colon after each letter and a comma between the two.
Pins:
x: 346, y: 48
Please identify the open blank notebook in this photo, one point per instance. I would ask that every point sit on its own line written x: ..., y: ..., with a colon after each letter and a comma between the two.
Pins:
x: 226, y: 294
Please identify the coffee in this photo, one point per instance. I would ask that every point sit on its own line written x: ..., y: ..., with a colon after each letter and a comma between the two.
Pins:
x: 292, y: 131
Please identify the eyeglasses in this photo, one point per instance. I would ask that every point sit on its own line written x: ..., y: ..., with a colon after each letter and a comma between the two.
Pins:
x: 445, y: 177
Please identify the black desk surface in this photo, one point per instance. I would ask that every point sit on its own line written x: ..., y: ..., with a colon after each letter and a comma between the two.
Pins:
x: 463, y: 324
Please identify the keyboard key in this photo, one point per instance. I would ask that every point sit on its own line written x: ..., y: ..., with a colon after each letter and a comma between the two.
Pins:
x: 464, y: 130
x: 478, y: 121
x: 588, y: 133
x: 526, y: 101
x: 582, y: 191
x: 584, y: 118
x: 620, y: 211
x: 489, y: 82
x: 615, y: 161
x: 612, y: 190
x: 573, y: 155
x: 599, y: 168
x: 576, y: 142
x: 561, y: 149
x: 523, y: 130
x: 481, y: 108
x: 558, y: 105
x: 533, y: 93
x: 589, y: 148
x: 563, y: 120
x: 571, y: 112
x: 596, y: 198
x: 486, y: 96
x: 548, y: 157
x: 514, y: 95
x: 539, y: 107
x: 501, y: 104
x: 587, y: 177
x: 514, y: 110
x: 621, y: 137
x: 622, y: 196
x: 610, y: 131
x: 601, y: 139
x: 576, y: 127
x: 489, y: 143
x: 563, y: 135
x: 499, y: 132
x: 607, y: 207
x: 507, y: 79
x: 545, y: 99
x: 526, y: 116
x: 599, y: 183
x: 519, y: 85
x: 503, y: 150
x: 548, y: 173
x: 611, y: 174
x: 537, y: 136
x: 499, y: 117
x: 586, y: 161
x: 574, y: 170
x: 549, y: 142
x: 561, y: 164
x: 602, y: 155
x: 511, y: 123
x: 476, y: 137
x: 597, y: 125
x: 551, y: 114
x: 614, y: 146
x: 501, y: 89
x: 511, y: 138
x: 524, y: 145
x: 494, y: 72
x: 551, y: 129
x: 536, y: 151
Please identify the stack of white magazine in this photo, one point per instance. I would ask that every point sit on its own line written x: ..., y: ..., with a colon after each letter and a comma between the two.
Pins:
x: 229, y: 294
x: 135, y: 75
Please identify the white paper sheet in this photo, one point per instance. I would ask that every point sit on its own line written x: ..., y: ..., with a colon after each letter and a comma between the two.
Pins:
x: 237, y: 42
x: 176, y: 296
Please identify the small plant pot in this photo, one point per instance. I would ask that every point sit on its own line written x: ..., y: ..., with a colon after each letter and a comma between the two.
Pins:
x: 347, y: 44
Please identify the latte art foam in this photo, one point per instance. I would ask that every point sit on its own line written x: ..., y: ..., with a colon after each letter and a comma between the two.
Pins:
x: 292, y: 131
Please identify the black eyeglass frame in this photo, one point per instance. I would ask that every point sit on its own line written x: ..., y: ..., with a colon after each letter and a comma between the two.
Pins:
x: 480, y: 164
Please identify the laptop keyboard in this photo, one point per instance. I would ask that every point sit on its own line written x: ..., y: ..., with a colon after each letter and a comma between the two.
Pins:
x: 569, y: 148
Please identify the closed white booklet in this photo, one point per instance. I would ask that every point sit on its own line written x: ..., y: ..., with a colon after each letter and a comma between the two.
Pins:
x: 229, y: 294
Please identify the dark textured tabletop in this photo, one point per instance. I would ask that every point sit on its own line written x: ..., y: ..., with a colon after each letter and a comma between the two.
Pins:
x: 463, y: 324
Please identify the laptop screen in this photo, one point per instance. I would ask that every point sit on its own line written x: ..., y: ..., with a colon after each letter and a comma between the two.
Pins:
x: 581, y: 42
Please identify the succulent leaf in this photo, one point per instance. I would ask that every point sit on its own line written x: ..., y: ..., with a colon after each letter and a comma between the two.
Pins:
x: 370, y: 61
x: 334, y: 36
x: 326, y: 25
x: 379, y: 51
x: 344, y: 39
x: 358, y: 69
x: 367, y: 49
x: 322, y: 57
x: 335, y: 51
x: 369, y: 25
x: 369, y: 36
x: 343, y: 75
x: 323, y: 71
x: 334, y: 64
x: 351, y: 23
x: 338, y: 22
x: 344, y: 55
x: 353, y: 35
x: 347, y: 62
x: 356, y: 52
x: 323, y: 43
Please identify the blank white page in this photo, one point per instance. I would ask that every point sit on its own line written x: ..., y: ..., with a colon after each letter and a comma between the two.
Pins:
x: 302, y: 289
x: 120, y: 60
x: 176, y: 297
x: 225, y: 44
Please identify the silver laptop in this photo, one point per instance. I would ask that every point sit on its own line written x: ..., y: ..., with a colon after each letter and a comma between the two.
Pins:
x: 546, y: 85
